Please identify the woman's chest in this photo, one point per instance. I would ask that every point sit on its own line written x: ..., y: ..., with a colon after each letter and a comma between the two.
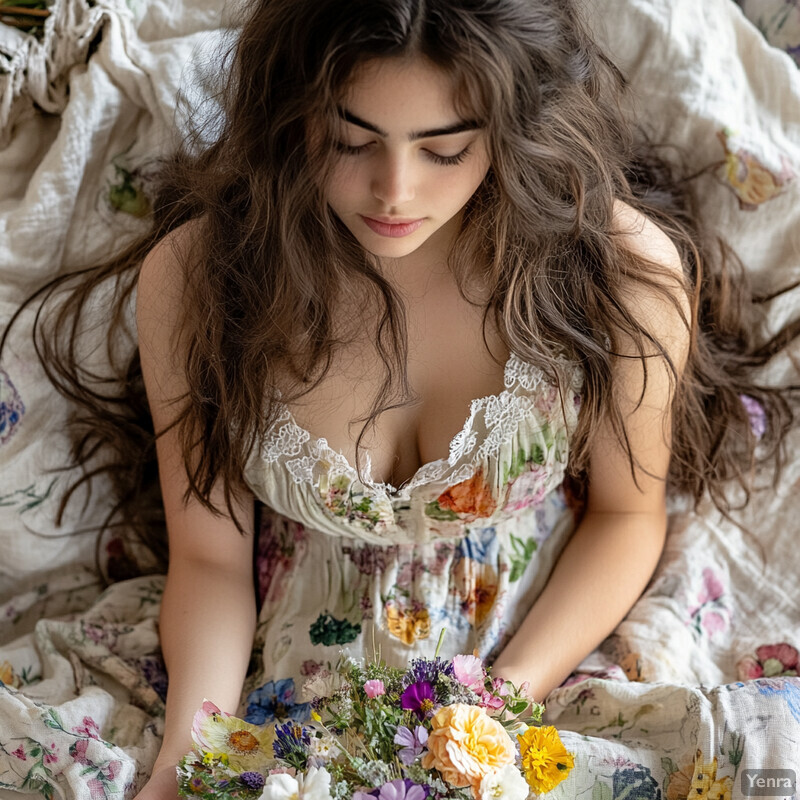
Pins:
x: 448, y: 366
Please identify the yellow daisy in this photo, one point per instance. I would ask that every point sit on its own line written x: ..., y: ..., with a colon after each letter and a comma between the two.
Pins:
x: 246, y: 746
x: 545, y: 760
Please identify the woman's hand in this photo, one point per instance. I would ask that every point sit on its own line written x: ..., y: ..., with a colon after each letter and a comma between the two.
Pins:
x: 163, y: 784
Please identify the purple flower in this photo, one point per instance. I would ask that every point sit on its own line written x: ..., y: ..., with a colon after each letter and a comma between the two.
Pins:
x: 419, y: 698
x: 757, y: 415
x: 291, y: 744
x: 398, y: 789
x: 427, y: 669
x: 412, y: 743
x: 252, y: 780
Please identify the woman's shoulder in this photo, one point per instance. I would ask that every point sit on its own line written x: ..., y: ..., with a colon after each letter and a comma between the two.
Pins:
x: 161, y: 287
x: 641, y: 236
x: 165, y: 263
x: 658, y: 295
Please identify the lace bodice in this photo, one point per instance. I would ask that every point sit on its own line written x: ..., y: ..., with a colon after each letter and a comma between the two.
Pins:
x: 511, y: 450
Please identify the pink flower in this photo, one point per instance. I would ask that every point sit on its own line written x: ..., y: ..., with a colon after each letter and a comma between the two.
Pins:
x: 96, y: 790
x: 374, y: 688
x: 782, y: 652
x: 78, y: 751
x: 713, y: 622
x: 310, y: 667
x: 748, y: 669
x: 88, y: 728
x: 712, y: 587
x: 20, y: 754
x: 469, y: 671
x: 95, y: 633
x: 488, y: 700
x: 500, y: 687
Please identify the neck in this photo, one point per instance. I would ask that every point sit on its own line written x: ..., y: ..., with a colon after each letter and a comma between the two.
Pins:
x: 427, y: 265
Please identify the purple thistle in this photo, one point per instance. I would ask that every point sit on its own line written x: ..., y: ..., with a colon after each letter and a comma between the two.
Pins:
x: 427, y: 669
x: 419, y: 698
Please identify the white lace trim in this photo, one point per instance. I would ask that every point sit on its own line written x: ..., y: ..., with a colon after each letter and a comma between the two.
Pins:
x: 502, y: 415
x: 521, y: 373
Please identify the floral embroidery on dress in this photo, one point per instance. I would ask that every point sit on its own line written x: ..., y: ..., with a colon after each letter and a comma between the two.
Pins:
x: 368, y: 564
x: 328, y: 630
x: 468, y: 500
x: 528, y: 407
x: 408, y: 624
x: 275, y: 700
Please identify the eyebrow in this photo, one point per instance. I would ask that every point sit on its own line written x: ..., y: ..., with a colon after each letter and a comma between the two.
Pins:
x: 458, y: 127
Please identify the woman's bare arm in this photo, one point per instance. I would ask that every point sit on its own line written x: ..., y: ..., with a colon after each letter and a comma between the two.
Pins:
x: 208, y: 611
x: 611, y: 556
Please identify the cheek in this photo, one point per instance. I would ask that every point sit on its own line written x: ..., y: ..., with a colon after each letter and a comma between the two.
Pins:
x: 345, y: 183
x: 456, y: 188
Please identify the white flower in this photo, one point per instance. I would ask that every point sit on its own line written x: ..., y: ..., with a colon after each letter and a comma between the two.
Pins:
x: 324, y: 747
x: 323, y: 684
x: 506, y: 783
x: 314, y: 785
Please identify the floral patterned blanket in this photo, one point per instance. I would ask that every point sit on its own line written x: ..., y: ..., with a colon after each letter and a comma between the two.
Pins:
x: 697, y: 689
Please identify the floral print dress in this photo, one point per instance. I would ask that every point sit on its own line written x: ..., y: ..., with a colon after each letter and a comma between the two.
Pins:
x: 460, y: 551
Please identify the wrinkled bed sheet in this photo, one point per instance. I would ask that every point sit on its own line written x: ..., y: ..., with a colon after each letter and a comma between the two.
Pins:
x: 695, y: 687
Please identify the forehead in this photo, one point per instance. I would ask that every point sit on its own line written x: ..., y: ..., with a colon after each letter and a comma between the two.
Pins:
x: 401, y: 95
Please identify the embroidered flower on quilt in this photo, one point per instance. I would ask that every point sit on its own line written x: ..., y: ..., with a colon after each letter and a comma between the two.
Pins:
x: 709, y: 614
x: 11, y: 407
x: 770, y: 661
x: 752, y: 180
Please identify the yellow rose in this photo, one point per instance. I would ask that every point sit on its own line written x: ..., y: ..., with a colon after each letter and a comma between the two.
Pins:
x: 545, y: 760
x: 466, y: 744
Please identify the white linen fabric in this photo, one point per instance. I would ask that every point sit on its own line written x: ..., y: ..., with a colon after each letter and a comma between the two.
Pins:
x: 695, y: 686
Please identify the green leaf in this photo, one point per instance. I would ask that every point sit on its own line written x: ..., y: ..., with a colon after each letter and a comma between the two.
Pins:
x: 435, y: 511
x: 601, y: 791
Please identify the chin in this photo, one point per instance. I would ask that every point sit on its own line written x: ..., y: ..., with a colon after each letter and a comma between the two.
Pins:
x: 392, y: 248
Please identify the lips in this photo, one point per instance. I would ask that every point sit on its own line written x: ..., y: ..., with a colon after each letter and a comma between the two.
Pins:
x: 391, y: 228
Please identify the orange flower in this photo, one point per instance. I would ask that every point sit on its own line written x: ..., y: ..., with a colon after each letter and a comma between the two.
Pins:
x: 477, y: 587
x: 466, y: 744
x: 8, y: 676
x: 545, y: 760
x: 471, y: 496
x: 408, y: 625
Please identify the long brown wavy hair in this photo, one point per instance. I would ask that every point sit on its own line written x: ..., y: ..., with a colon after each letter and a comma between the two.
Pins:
x: 268, y: 254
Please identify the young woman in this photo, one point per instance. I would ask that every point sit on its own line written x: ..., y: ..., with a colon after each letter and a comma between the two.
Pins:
x: 428, y: 309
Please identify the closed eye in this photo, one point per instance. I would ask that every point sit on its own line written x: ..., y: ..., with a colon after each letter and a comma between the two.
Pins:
x: 446, y: 161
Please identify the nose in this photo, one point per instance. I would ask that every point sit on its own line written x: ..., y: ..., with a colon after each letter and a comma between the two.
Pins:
x: 393, y: 182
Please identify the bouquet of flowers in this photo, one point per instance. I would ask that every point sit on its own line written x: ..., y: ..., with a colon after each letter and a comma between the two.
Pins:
x: 439, y: 729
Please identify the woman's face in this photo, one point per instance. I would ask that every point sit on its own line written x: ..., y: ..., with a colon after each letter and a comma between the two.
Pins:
x: 407, y: 162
